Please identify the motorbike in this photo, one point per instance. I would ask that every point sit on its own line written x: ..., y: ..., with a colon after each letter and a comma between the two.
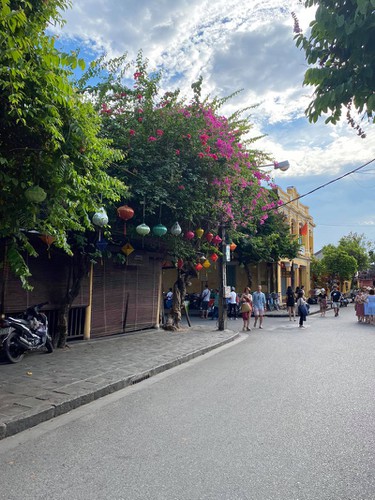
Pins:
x: 344, y: 301
x: 27, y: 333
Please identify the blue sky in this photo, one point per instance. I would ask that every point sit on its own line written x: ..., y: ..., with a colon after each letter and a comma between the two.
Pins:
x: 243, y: 45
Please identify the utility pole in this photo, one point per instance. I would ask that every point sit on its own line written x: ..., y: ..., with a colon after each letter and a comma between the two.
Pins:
x: 223, y: 282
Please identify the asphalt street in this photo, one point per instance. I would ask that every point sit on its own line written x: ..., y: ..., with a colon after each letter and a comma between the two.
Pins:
x: 281, y: 414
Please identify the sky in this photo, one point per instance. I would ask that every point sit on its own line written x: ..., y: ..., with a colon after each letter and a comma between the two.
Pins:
x: 236, y: 45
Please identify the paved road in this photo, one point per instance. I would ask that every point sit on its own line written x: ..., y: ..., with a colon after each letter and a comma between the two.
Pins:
x: 282, y: 414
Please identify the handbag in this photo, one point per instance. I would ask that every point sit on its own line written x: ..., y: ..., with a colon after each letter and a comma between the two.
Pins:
x: 245, y: 307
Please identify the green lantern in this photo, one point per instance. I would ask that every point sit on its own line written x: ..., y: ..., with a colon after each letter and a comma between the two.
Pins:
x: 35, y: 194
x: 159, y: 230
x: 142, y: 229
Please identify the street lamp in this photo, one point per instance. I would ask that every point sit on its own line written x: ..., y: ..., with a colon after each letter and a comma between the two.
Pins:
x: 278, y: 165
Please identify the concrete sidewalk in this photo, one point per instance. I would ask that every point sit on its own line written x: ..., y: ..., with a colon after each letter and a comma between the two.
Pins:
x: 43, y: 386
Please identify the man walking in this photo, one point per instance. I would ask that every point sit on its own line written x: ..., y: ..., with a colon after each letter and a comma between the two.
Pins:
x: 259, y: 304
x: 335, y: 298
x: 233, y: 303
x: 206, y: 294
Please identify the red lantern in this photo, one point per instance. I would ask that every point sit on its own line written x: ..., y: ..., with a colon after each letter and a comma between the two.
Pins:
x: 125, y: 213
x: 199, y: 266
x: 214, y: 257
x: 232, y: 247
x: 216, y: 240
x: 180, y: 263
x: 189, y: 235
x: 209, y: 237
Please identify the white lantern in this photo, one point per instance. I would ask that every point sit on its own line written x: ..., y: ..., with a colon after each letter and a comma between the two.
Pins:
x: 100, y: 218
x: 143, y: 229
x: 176, y: 229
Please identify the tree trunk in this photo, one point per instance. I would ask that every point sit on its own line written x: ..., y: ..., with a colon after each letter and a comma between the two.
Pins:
x: 179, y: 292
x: 78, y: 269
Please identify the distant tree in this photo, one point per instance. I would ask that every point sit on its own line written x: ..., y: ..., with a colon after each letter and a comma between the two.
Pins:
x: 341, y: 49
x: 318, y: 272
x: 338, y: 264
x: 356, y: 245
x: 270, y: 242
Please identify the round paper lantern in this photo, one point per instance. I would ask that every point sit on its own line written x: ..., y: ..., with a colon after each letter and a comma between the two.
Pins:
x: 159, y: 230
x: 206, y: 264
x: 101, y: 245
x: 232, y: 247
x: 100, y: 218
x: 216, y: 240
x: 47, y: 239
x: 199, y: 232
x: 125, y: 212
x: 199, y: 266
x: 209, y: 237
x: 189, y: 235
x: 176, y: 229
x: 202, y: 259
x: 35, y: 194
x: 214, y: 257
x: 180, y: 263
x: 143, y: 229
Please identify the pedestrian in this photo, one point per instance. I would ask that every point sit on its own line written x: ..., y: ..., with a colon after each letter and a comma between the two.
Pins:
x: 335, y: 298
x: 205, y: 296
x: 302, y: 308
x: 290, y: 303
x: 232, y: 303
x: 359, y: 305
x: 169, y: 299
x: 322, y: 301
x: 275, y: 300
x: 246, y: 308
x: 259, y: 304
x: 370, y: 307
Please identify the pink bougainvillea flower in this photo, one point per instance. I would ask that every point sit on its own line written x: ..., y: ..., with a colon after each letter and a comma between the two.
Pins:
x: 152, y: 138
x: 140, y: 119
x: 132, y: 132
x: 140, y: 110
x: 188, y: 136
x: 159, y: 132
x: 201, y: 155
x: 181, y: 187
x: 137, y: 74
x: 139, y: 97
x: 177, y: 152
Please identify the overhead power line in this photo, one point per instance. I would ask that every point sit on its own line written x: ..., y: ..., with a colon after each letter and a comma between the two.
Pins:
x: 328, y: 183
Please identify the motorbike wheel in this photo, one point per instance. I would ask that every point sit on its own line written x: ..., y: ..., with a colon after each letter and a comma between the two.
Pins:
x: 13, y: 351
x: 49, y: 346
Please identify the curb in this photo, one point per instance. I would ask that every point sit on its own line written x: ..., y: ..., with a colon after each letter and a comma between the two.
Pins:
x: 47, y: 410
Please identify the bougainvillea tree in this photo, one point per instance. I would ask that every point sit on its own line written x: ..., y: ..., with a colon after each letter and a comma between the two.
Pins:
x: 183, y: 160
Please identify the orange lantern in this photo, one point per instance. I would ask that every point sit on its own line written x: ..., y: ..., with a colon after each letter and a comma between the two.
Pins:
x: 232, y: 247
x: 125, y: 213
x: 47, y: 239
x: 209, y: 237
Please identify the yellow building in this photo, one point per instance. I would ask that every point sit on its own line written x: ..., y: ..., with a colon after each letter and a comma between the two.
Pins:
x: 296, y: 272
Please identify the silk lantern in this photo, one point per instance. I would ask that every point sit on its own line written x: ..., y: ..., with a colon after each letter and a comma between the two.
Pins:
x: 199, y: 232
x: 159, y: 230
x: 189, y: 235
x: 125, y: 213
x: 209, y: 237
x: 176, y: 229
x: 143, y: 229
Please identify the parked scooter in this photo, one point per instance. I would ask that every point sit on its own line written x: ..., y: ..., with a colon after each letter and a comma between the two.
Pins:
x: 344, y: 301
x: 29, y: 333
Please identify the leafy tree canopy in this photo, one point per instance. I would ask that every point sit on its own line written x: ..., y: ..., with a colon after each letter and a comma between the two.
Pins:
x: 338, y: 263
x: 341, y: 50
x: 356, y: 245
x: 53, y: 163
